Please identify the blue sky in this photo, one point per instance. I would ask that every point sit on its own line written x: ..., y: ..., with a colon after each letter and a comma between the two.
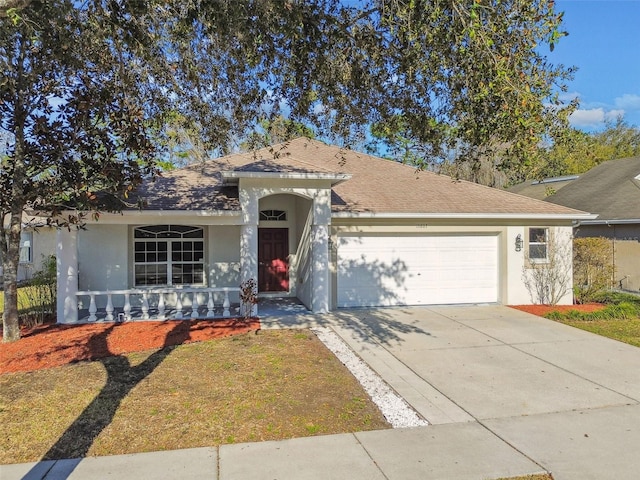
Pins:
x: 604, y: 43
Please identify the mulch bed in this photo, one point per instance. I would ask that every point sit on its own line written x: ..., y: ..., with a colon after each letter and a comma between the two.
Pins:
x: 48, y: 346
x: 542, y: 310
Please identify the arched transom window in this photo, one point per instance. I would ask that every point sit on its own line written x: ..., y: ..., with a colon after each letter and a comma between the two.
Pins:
x: 168, y: 255
x: 276, y: 215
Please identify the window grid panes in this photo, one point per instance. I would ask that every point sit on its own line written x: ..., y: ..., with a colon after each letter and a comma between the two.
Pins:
x: 273, y: 215
x: 538, y: 244
x: 168, y: 255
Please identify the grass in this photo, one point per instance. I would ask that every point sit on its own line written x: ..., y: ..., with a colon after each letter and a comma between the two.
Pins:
x: 270, y: 386
x: 627, y: 331
x: 619, y: 320
x: 25, y: 298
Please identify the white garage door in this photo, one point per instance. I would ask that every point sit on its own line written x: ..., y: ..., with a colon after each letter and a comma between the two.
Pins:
x: 379, y: 270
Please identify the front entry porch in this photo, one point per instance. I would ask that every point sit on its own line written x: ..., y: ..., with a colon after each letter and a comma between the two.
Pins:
x: 159, y: 265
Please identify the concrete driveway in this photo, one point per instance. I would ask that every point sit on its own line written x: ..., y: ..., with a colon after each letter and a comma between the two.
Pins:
x: 566, y: 399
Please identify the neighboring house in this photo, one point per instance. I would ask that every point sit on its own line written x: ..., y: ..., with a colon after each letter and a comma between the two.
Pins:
x: 36, y: 244
x: 541, y: 189
x: 333, y: 227
x: 612, y: 191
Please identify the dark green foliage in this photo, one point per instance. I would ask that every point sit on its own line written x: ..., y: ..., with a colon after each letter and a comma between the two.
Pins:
x: 611, y: 297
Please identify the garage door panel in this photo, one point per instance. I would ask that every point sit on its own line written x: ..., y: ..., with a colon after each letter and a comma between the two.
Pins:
x: 416, y: 270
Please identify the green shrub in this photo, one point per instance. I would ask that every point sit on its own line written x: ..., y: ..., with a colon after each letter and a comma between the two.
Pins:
x: 592, y: 267
x: 623, y: 311
x: 616, y: 297
x: 554, y: 316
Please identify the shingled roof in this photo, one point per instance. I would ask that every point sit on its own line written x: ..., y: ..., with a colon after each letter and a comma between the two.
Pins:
x: 612, y: 190
x: 541, y: 189
x: 376, y: 186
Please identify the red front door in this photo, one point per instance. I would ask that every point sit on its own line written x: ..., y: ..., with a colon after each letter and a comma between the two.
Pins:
x: 273, y: 260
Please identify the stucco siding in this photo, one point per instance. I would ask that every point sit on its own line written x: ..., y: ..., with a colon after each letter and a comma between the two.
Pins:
x: 223, y: 255
x: 44, y: 245
x: 103, y: 252
x: 627, y: 263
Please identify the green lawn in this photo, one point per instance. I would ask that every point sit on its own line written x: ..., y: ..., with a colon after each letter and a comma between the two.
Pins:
x: 620, y: 319
x: 625, y: 330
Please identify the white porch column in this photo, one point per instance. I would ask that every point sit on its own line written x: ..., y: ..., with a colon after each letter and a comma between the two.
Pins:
x: 249, y: 255
x: 67, y: 275
x: 320, y: 270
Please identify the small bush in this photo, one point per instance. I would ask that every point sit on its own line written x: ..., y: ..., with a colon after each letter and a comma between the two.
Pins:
x: 592, y: 267
x: 554, y: 316
x: 616, y: 297
x: 621, y: 311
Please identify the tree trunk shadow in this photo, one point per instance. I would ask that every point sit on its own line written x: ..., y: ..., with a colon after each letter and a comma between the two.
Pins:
x: 122, y: 377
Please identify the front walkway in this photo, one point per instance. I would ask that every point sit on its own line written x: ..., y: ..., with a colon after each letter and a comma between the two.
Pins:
x: 506, y: 393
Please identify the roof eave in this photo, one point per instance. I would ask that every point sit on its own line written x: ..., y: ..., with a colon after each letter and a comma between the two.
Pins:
x: 177, y: 213
x: 494, y: 216
x: 622, y: 221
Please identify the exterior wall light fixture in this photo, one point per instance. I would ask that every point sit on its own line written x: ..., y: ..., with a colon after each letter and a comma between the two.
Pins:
x: 519, y: 243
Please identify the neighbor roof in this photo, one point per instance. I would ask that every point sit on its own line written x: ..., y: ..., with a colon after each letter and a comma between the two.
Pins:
x: 375, y: 186
x: 612, y: 190
x: 541, y: 189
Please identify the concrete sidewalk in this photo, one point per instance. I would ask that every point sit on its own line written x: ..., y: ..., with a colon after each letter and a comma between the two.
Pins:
x: 506, y: 394
x: 453, y: 451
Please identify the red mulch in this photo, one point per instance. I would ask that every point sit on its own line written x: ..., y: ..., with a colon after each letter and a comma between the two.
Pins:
x: 49, y: 346
x: 541, y: 310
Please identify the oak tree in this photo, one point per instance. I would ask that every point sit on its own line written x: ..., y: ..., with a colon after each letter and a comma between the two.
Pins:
x: 88, y: 87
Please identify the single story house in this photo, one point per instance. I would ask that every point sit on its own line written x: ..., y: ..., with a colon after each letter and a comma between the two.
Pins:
x: 612, y: 191
x: 330, y: 226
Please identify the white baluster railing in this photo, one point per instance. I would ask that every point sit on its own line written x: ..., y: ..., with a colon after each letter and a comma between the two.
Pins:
x: 152, y: 303
x: 93, y: 309
x: 195, y: 305
x: 179, y: 305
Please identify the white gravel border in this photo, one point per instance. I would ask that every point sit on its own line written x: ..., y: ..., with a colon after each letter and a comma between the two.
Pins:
x: 394, y: 408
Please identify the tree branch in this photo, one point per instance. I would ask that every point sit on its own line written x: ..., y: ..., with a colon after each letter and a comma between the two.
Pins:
x: 7, y: 5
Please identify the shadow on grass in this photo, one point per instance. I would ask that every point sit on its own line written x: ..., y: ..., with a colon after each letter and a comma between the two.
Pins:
x: 122, y: 377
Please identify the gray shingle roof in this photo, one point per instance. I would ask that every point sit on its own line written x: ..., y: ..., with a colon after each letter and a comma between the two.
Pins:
x: 541, y: 189
x: 377, y: 185
x: 612, y: 190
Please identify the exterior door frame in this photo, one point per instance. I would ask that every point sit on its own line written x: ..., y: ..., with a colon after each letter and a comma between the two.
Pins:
x: 271, y: 276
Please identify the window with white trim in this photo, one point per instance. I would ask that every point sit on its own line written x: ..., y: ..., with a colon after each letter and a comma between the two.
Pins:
x: 168, y: 255
x: 26, y: 247
x: 538, y: 244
